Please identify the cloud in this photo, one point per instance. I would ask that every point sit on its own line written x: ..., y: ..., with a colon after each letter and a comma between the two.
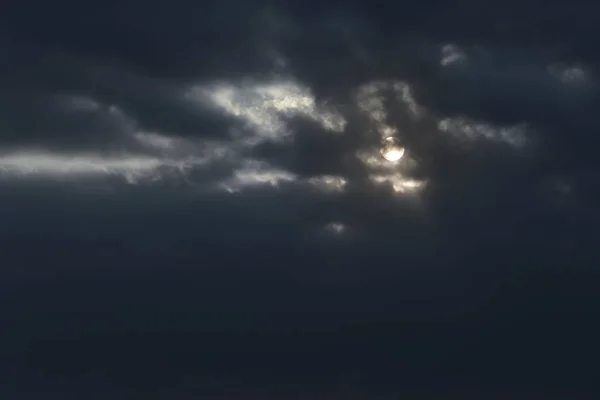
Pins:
x: 262, y: 106
x: 297, y: 103
x: 240, y: 144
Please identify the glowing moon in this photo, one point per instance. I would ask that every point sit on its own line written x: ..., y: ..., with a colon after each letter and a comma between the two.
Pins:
x: 391, y: 150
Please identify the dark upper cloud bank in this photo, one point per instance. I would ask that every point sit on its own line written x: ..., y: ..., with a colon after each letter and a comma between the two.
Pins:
x: 192, y: 199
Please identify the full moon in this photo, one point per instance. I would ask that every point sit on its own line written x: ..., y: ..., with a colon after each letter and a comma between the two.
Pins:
x: 391, y: 150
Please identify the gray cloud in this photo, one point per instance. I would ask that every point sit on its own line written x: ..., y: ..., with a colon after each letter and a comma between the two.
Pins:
x: 236, y: 147
x: 295, y: 105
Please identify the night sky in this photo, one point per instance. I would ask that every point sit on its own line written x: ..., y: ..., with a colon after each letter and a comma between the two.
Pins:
x: 194, y: 203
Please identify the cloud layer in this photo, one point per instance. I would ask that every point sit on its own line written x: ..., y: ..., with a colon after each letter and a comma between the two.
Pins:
x: 245, y: 138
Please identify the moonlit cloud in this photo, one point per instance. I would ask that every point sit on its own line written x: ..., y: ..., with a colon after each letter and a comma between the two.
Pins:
x: 253, y: 173
x: 56, y: 165
x: 398, y: 183
x: 452, y: 55
x: 329, y: 182
x: 371, y: 100
x: 469, y: 130
x: 262, y: 106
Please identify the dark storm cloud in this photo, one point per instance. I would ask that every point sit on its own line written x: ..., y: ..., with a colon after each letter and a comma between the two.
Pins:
x: 254, y: 262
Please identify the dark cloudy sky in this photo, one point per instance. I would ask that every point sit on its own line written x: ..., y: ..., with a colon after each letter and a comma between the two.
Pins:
x: 193, y: 203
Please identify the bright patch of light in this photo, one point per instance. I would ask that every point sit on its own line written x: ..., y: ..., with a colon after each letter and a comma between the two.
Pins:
x: 393, y: 155
x: 391, y: 150
x: 132, y: 168
x: 59, y: 165
x: 256, y: 173
x: 263, y: 107
x: 399, y: 183
x: 329, y: 182
x: 463, y: 128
